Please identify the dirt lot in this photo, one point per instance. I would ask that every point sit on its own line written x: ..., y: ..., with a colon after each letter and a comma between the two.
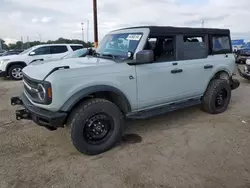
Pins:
x: 187, y: 148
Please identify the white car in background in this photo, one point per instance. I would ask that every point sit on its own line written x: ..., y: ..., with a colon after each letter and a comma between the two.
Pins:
x: 12, y: 65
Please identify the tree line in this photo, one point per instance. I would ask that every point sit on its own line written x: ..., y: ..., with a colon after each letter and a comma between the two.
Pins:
x: 26, y: 45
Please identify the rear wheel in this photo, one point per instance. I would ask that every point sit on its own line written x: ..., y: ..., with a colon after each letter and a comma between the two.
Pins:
x: 217, y: 96
x: 96, y: 126
x: 15, y: 72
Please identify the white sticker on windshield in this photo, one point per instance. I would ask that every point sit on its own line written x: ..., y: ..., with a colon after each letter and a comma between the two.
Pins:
x: 134, y: 37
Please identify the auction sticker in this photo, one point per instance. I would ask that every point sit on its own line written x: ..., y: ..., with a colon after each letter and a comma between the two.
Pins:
x: 134, y: 37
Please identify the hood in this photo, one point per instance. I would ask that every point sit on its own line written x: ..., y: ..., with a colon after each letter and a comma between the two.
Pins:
x: 9, y: 57
x: 40, y: 69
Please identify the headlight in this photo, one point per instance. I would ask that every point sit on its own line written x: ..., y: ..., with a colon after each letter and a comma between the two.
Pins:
x: 41, y: 92
x: 248, y: 61
x: 3, y: 60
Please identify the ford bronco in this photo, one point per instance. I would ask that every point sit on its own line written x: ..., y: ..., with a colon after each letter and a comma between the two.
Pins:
x: 136, y: 72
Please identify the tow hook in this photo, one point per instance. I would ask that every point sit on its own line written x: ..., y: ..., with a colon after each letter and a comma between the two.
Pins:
x: 16, y: 101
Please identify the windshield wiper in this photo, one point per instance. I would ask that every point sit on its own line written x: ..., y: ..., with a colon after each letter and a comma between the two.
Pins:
x: 108, y: 55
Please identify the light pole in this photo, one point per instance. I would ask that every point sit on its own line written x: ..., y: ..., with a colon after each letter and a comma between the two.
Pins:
x: 82, y: 32
x: 87, y: 31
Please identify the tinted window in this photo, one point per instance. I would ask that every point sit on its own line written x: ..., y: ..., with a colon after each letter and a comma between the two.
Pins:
x: 74, y: 48
x: 193, y: 48
x: 163, y: 48
x: 58, y: 49
x: 42, y: 50
x: 221, y: 44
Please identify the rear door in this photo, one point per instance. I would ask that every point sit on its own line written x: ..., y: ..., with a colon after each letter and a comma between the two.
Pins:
x: 58, y: 51
x: 192, y: 59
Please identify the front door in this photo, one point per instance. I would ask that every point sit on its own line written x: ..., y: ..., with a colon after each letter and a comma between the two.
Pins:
x: 159, y: 83
x: 39, y: 54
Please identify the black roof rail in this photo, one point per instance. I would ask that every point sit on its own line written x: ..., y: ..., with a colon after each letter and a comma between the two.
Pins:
x: 55, y: 69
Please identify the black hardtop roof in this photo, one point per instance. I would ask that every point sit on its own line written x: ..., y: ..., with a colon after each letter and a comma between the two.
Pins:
x: 182, y: 30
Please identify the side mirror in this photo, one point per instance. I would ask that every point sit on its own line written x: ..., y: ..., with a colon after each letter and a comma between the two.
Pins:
x: 32, y: 53
x: 144, y: 57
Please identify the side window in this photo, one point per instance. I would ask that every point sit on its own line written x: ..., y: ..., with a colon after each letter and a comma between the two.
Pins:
x: 193, y: 47
x: 163, y: 48
x: 58, y: 49
x: 74, y: 48
x: 221, y: 44
x: 42, y: 50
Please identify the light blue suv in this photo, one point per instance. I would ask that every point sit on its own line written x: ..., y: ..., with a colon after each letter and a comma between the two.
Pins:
x: 136, y: 72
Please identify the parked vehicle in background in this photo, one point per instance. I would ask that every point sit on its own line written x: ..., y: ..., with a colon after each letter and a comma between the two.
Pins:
x: 242, y: 55
x: 78, y: 53
x: 137, y: 73
x: 12, y: 65
x: 245, y: 73
x: 2, y: 51
x: 12, y: 52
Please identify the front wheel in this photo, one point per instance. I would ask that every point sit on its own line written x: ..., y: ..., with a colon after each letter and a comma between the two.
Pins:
x: 96, y: 126
x: 217, y: 96
x: 15, y: 72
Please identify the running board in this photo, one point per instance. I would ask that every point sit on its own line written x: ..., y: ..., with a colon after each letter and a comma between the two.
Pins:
x: 163, y: 109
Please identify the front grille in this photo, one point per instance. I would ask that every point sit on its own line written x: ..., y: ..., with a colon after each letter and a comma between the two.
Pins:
x: 29, y: 81
x: 29, y: 86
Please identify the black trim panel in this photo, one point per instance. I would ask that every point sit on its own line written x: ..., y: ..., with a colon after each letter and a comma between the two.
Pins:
x: 3, y: 74
x: 73, y: 100
x: 50, y: 120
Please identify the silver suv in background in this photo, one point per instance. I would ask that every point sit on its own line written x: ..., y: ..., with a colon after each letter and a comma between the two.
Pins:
x: 12, y: 65
x: 135, y: 73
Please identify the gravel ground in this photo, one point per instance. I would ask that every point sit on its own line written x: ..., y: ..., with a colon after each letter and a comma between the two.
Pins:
x: 186, y: 148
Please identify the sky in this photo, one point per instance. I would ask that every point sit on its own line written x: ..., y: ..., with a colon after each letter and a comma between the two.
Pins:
x: 50, y: 19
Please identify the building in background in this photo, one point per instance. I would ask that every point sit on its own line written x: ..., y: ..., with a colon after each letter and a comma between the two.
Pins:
x: 237, y: 44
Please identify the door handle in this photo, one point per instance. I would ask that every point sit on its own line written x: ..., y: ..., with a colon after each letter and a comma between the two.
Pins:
x: 174, y: 63
x: 208, y: 66
x: 176, y: 71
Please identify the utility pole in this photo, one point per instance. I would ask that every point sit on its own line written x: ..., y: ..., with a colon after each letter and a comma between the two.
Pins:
x: 82, y: 32
x: 28, y: 42
x: 21, y: 43
x: 95, y: 23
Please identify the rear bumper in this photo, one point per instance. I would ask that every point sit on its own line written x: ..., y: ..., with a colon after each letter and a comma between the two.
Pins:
x: 3, y: 74
x: 50, y: 120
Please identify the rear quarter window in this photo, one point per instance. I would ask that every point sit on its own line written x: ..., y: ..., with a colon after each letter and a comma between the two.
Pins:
x: 221, y: 44
x: 74, y: 48
x: 58, y: 49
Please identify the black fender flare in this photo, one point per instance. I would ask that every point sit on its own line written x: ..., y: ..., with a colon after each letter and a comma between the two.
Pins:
x: 77, y: 97
x: 15, y: 63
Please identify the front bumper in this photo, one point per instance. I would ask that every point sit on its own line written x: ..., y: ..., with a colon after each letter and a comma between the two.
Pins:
x: 50, y: 120
x: 245, y: 74
x: 234, y: 83
x: 3, y: 74
x: 241, y: 58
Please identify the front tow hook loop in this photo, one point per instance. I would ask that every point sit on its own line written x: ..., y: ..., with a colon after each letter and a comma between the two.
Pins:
x: 16, y: 101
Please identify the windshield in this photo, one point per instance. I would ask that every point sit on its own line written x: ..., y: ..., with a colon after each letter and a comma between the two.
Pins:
x: 26, y: 51
x: 75, y: 54
x: 118, y: 45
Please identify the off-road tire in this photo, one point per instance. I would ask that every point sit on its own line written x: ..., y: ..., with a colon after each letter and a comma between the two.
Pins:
x: 209, y: 98
x: 81, y: 114
x: 11, y: 69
